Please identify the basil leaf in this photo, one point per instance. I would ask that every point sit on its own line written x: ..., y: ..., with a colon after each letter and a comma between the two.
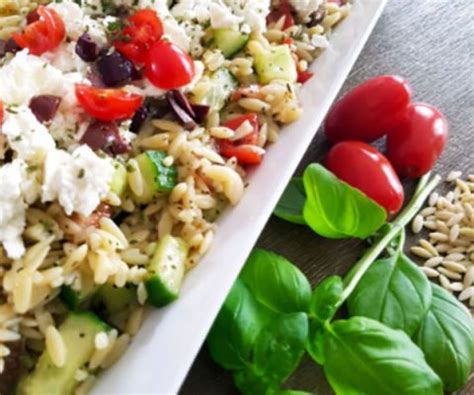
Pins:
x: 237, y: 325
x: 314, y: 342
x: 280, y: 346
x: 250, y: 382
x: 290, y: 206
x: 363, y: 356
x: 293, y: 392
x: 336, y: 210
x: 325, y: 298
x: 446, y: 336
x: 276, y: 283
x: 393, y: 291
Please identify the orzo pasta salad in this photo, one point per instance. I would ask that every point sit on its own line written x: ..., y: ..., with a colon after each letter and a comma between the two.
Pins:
x: 126, y: 127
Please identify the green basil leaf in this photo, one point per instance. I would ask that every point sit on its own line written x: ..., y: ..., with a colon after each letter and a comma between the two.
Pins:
x: 280, y: 346
x: 292, y: 392
x: 393, y: 291
x: 314, y: 342
x: 446, y: 336
x: 250, y: 382
x: 325, y: 298
x: 363, y: 356
x: 237, y: 325
x: 276, y: 283
x: 291, y: 203
x: 336, y: 210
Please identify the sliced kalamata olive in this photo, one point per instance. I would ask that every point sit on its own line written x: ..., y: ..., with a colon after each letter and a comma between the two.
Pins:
x: 138, y: 118
x: 317, y: 16
x: 3, y: 48
x: 105, y: 136
x: 12, y: 46
x: 44, y: 107
x: 114, y: 69
x: 181, y: 114
x: 183, y: 102
x: 200, y: 111
x: 32, y: 16
x: 87, y: 49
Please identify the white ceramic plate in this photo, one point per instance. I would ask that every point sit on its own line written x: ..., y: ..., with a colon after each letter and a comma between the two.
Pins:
x: 162, y: 353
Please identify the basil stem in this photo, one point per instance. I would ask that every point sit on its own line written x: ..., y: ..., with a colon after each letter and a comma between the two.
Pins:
x: 424, y: 188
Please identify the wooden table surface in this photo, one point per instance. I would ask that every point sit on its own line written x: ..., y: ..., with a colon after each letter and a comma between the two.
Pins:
x: 431, y: 43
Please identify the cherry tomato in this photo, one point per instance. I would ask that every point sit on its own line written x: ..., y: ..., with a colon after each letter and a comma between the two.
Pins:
x: 44, y: 33
x: 168, y: 66
x: 368, y: 111
x: 362, y: 166
x: 415, y: 144
x: 144, y: 28
x: 108, y: 104
x: 244, y: 150
x: 1, y: 112
x: 304, y: 76
x: 284, y: 9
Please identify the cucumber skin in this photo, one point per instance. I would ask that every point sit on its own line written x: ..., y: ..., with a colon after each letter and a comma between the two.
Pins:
x: 158, y: 293
x: 230, y: 42
x: 69, y: 297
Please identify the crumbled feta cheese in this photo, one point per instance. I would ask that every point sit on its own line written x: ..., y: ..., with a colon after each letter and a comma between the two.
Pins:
x: 26, y: 76
x: 222, y: 17
x: 77, y: 180
x: 305, y: 8
x: 319, y: 41
x: 12, y: 208
x: 64, y: 58
x: 27, y: 137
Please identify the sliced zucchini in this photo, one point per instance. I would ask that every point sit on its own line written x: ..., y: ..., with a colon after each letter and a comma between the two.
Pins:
x: 78, y: 332
x: 166, y: 271
x: 157, y: 178
x: 275, y: 63
x: 110, y: 299
x: 73, y: 298
x: 223, y: 83
x: 230, y: 41
x: 118, y: 184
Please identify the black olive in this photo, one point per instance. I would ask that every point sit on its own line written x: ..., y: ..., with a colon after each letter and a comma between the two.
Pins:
x: 87, y: 49
x: 114, y: 69
x: 138, y: 118
x: 44, y: 107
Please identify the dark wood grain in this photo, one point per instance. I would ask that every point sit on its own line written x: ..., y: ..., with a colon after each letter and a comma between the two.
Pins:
x: 429, y: 42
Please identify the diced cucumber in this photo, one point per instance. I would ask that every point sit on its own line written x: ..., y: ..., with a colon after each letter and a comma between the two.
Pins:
x: 275, y: 64
x: 166, y: 270
x: 110, y: 299
x: 118, y: 184
x: 157, y: 178
x: 73, y: 298
x: 230, y: 41
x: 223, y: 83
x: 78, y: 332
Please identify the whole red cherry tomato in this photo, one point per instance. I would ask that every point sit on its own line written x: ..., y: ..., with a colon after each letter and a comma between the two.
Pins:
x: 244, y: 150
x: 368, y: 111
x: 143, y: 29
x: 44, y: 33
x: 415, y: 144
x: 362, y: 166
x: 283, y: 10
x: 107, y: 104
x: 168, y: 66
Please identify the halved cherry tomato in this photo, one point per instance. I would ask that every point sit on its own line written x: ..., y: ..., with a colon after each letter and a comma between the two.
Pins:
x: 368, y: 111
x: 144, y: 28
x: 1, y: 112
x: 168, y: 67
x: 244, y: 150
x: 304, y: 76
x: 284, y: 9
x: 43, y: 34
x: 415, y: 144
x: 362, y: 166
x: 108, y: 104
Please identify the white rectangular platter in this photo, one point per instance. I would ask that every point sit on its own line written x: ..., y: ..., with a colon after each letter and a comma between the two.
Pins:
x: 161, y: 354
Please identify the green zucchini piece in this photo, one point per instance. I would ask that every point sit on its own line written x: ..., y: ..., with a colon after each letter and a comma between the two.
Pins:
x: 73, y: 298
x: 275, y: 64
x: 223, y: 83
x: 78, y: 332
x: 166, y: 271
x: 230, y: 41
x: 118, y: 184
x: 157, y: 178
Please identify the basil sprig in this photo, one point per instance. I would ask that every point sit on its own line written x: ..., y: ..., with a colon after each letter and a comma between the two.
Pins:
x: 330, y: 207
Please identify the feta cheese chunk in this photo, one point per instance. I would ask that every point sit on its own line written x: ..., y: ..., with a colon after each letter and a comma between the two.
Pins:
x: 305, y: 8
x: 77, y: 180
x: 12, y: 208
x: 27, y: 137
